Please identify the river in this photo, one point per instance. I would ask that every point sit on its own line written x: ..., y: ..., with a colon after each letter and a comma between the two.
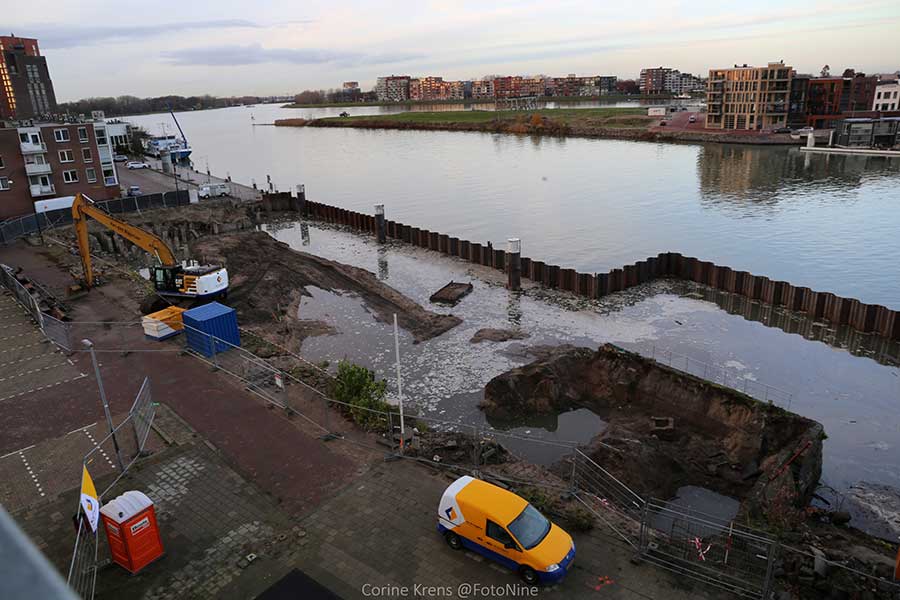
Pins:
x: 831, y: 223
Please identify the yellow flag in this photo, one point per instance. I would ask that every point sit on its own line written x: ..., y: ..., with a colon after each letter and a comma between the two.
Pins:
x: 89, y: 501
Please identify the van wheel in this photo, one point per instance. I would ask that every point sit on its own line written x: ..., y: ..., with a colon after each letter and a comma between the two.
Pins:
x: 453, y: 540
x: 528, y: 575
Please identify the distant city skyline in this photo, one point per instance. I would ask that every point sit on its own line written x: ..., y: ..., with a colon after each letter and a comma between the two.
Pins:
x: 102, y: 48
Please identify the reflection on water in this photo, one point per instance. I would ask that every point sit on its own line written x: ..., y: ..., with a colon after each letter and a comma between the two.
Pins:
x: 760, y: 175
x: 882, y: 350
x: 557, y: 434
x: 826, y: 222
x: 701, y: 502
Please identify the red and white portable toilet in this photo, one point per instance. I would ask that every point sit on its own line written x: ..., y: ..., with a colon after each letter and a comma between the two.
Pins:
x: 132, y: 531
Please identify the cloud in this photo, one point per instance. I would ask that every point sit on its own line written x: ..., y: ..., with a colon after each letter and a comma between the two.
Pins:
x: 254, y: 54
x: 71, y: 36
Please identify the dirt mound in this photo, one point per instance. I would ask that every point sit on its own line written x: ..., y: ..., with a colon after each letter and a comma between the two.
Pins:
x: 497, y: 335
x: 267, y: 279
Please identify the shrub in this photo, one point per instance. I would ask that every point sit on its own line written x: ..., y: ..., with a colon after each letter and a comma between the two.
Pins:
x: 362, y: 395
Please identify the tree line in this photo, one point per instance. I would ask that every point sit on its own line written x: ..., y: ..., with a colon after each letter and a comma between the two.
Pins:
x: 132, y: 105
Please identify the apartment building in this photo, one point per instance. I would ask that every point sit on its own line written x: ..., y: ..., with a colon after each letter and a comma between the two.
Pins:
x: 52, y: 160
x: 653, y: 80
x: 483, y: 88
x: 797, y: 101
x: 26, y: 90
x: 747, y: 97
x: 415, y: 89
x: 392, y: 89
x: 459, y: 90
x: 607, y: 84
x: 887, y: 96
x: 434, y: 88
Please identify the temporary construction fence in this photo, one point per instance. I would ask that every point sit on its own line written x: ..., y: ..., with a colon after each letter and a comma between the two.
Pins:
x: 719, y: 374
x: 82, y: 577
x: 15, y: 228
x: 716, y: 552
x: 55, y: 330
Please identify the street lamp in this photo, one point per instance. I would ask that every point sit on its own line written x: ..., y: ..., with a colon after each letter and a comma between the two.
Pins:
x: 90, y: 346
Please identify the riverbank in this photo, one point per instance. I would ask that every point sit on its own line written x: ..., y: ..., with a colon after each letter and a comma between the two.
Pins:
x: 608, y: 123
x: 484, y: 101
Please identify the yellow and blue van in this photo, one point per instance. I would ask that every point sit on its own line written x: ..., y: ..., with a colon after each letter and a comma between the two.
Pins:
x: 502, y: 526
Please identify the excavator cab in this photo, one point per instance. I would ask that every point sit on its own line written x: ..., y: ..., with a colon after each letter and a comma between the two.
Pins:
x: 165, y: 278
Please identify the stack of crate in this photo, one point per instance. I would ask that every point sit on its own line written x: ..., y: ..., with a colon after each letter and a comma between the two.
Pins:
x: 163, y: 324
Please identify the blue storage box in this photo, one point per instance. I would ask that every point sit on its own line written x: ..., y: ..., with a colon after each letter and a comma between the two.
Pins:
x: 213, y: 319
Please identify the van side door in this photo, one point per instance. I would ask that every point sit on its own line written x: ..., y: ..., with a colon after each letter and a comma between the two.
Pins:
x: 501, y: 545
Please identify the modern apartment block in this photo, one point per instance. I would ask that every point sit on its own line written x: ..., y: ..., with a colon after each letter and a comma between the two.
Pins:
x: 26, y: 90
x: 653, y: 80
x: 483, y: 88
x: 747, y: 97
x: 887, y: 96
x: 52, y: 160
x: 392, y: 89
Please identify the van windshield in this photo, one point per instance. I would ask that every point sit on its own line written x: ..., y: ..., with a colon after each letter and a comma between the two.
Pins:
x: 530, y: 527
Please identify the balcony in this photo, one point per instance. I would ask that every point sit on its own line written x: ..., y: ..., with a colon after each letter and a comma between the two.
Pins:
x: 42, y: 190
x: 37, y: 168
x: 33, y: 147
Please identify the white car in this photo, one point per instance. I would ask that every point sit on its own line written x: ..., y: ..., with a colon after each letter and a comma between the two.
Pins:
x: 133, y: 164
x: 119, y: 158
x: 213, y: 189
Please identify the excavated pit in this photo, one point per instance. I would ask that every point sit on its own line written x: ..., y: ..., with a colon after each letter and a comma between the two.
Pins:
x: 667, y: 429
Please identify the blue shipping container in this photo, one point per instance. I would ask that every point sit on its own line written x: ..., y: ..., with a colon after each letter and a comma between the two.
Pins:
x: 209, y: 321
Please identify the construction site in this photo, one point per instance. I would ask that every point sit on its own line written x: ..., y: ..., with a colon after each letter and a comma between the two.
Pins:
x: 270, y: 480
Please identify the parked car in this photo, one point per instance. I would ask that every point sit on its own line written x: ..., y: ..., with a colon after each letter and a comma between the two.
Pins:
x: 133, y: 164
x: 214, y: 189
x: 134, y: 190
x: 782, y: 130
x: 119, y: 158
x: 504, y: 527
x: 692, y: 119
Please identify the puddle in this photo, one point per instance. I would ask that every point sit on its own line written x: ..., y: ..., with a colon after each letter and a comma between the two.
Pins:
x: 557, y: 434
x: 694, y: 499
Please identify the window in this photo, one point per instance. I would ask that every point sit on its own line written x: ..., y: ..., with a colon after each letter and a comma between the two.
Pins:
x: 61, y: 135
x: 1, y: 162
x: 83, y: 135
x: 4, y: 183
x: 70, y: 176
x: 530, y: 527
x: 497, y: 533
x: 66, y: 156
x: 91, y: 175
x: 101, y: 136
x: 23, y: 137
x: 86, y: 155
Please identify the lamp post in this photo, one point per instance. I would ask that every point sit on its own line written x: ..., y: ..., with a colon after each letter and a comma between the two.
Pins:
x: 90, y: 346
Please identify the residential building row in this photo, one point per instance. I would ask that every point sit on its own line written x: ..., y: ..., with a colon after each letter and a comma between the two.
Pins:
x: 776, y: 96
x: 665, y: 80
x: 50, y: 160
x: 400, y: 88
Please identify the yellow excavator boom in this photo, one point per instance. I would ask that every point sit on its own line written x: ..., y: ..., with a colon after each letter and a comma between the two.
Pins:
x: 83, y: 207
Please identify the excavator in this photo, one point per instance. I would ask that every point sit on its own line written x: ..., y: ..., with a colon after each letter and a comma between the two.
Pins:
x: 170, y: 278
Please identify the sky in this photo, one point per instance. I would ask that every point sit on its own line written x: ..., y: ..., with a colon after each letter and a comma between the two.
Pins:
x: 269, y: 47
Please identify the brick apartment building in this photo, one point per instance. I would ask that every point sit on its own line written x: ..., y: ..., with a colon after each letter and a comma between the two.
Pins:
x: 748, y: 97
x: 653, y: 80
x: 26, y: 90
x: 483, y: 88
x: 52, y: 160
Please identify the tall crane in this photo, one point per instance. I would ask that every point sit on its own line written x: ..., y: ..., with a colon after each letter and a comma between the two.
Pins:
x: 169, y: 277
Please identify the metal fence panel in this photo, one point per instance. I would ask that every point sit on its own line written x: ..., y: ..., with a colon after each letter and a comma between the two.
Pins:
x: 716, y: 552
x: 57, y: 331
x: 83, y: 568
x: 142, y: 413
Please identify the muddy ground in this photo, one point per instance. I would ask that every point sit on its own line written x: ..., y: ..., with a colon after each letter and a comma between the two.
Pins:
x: 268, y: 279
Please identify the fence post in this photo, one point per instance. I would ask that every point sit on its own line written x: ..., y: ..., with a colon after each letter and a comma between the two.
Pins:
x: 573, y: 485
x: 215, y: 354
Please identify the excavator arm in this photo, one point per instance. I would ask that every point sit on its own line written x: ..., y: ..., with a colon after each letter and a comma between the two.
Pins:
x: 83, y: 207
